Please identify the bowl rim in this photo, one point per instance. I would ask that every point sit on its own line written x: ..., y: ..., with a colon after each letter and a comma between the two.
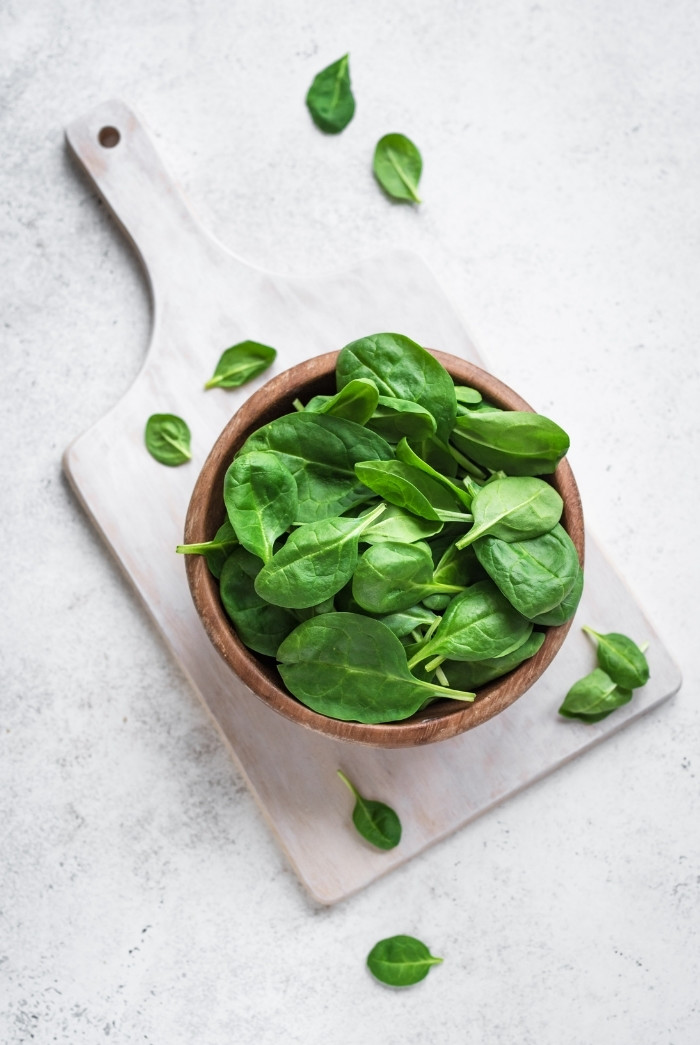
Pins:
x: 444, y: 718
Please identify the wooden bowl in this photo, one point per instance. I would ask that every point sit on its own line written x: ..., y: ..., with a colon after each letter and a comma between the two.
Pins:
x: 442, y: 719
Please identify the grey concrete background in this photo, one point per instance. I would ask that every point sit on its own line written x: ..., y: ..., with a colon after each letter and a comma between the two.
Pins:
x: 142, y: 898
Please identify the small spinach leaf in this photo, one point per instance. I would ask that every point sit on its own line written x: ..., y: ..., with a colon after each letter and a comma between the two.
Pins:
x: 260, y: 495
x: 518, y: 441
x: 400, y: 961
x: 377, y: 822
x: 514, y: 509
x: 259, y: 625
x: 474, y: 674
x: 394, y: 419
x: 397, y: 167
x: 167, y: 439
x: 330, y: 99
x: 356, y: 402
x: 594, y: 697
x: 407, y: 454
x: 410, y: 488
x: 620, y: 658
x: 391, y: 577
x: 398, y: 525
x: 241, y: 363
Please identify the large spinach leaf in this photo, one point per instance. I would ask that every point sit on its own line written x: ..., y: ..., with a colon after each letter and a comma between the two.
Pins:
x: 517, y: 441
x: 260, y: 495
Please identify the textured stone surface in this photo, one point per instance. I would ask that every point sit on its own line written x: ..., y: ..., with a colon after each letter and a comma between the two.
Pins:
x: 141, y: 895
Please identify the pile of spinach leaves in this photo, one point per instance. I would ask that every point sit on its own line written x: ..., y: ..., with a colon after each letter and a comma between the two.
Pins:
x: 394, y: 543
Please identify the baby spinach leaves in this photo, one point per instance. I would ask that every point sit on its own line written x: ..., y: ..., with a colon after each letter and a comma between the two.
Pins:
x: 459, y: 561
x: 400, y: 961
x: 330, y: 99
x: 397, y: 167
x: 519, y: 442
x: 622, y: 667
x: 241, y: 363
x: 375, y: 821
x: 353, y: 668
x: 167, y: 439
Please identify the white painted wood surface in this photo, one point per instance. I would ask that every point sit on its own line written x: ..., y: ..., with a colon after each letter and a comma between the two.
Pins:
x: 204, y: 299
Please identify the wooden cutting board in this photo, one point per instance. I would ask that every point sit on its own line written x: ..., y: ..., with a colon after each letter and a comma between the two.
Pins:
x: 205, y: 299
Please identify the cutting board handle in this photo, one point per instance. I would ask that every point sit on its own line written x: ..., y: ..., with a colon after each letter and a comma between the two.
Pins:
x: 117, y: 153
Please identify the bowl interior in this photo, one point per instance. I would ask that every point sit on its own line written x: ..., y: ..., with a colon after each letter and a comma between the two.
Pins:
x: 442, y: 719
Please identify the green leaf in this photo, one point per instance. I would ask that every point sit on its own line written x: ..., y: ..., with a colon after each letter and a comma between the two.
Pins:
x: 410, y: 488
x: 321, y: 452
x: 260, y: 495
x: 216, y: 551
x: 519, y: 442
x: 468, y: 396
x: 477, y: 673
x: 391, y: 577
x: 594, y: 697
x: 566, y: 608
x: 395, y: 419
x: 258, y: 624
x: 376, y: 822
x: 477, y: 624
x: 356, y: 402
x: 353, y: 668
x: 620, y: 658
x: 407, y: 454
x: 400, y: 961
x: 406, y: 621
x: 241, y: 363
x: 395, y: 524
x: 316, y: 561
x: 401, y: 368
x: 513, y: 509
x: 535, y: 575
x: 330, y: 99
x: 397, y: 167
x: 167, y: 439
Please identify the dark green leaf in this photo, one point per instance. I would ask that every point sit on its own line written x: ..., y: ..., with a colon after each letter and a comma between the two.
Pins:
x: 406, y: 621
x: 259, y: 625
x: 353, y: 668
x: 394, y: 419
x: 400, y: 367
x: 241, y: 363
x: 400, y: 961
x: 316, y: 561
x: 261, y: 500
x: 594, y: 697
x: 375, y: 821
x: 397, y: 167
x: 321, y: 453
x: 330, y: 100
x: 407, y: 455
x: 391, y: 577
x: 167, y: 439
x: 395, y: 524
x: 519, y: 442
x: 621, y: 659
x: 513, y: 509
x: 410, y: 488
x: 566, y: 608
x: 535, y: 575
x: 475, y: 674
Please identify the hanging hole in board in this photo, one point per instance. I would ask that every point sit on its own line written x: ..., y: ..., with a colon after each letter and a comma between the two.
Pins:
x: 109, y: 137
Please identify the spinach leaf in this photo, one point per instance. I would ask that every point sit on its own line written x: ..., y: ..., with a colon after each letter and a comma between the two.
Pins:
x: 356, y: 402
x: 406, y: 621
x: 391, y: 577
x: 167, y: 438
x: 397, y: 167
x: 241, y: 363
x: 330, y: 99
x: 410, y: 488
x: 594, y: 697
x: 260, y: 495
x: 535, y: 575
x: 316, y: 561
x: 620, y: 658
x: 474, y: 674
x: 566, y: 608
x: 321, y: 452
x: 353, y: 668
x: 477, y: 624
x: 258, y: 624
x: 459, y: 566
x: 375, y: 821
x: 215, y: 551
x: 514, y: 509
x: 400, y: 961
x: 407, y: 454
x: 518, y: 441
x: 395, y: 418
x: 468, y: 396
x: 395, y: 524
x: 401, y: 368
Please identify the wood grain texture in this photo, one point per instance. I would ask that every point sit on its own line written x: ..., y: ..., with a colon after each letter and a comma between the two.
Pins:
x: 205, y: 299
x: 443, y: 718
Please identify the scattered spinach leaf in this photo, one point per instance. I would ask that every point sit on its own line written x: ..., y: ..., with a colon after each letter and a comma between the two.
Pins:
x: 330, y: 99
x: 167, y: 439
x: 620, y: 658
x: 397, y: 167
x: 594, y: 697
x: 377, y: 822
x: 241, y: 363
x: 400, y: 961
